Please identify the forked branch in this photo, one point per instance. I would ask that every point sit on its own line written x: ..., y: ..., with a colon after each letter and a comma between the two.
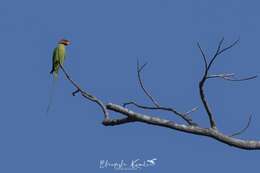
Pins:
x: 206, y: 76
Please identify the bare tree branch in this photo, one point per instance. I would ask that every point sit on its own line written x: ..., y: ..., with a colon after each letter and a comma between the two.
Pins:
x: 202, y: 94
x: 131, y: 116
x: 184, y: 116
x: 209, y: 132
x: 206, y: 76
x: 205, y: 103
x: 86, y: 94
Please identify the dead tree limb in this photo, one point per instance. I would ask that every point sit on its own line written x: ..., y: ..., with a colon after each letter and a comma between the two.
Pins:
x: 130, y: 116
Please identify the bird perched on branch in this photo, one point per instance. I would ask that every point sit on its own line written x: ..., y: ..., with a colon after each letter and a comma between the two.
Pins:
x: 58, y: 57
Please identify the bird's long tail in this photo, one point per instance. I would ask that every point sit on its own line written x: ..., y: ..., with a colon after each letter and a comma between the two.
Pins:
x: 51, y: 93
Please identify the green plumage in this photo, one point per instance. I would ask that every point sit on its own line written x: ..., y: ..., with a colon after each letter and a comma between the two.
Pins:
x: 58, y: 58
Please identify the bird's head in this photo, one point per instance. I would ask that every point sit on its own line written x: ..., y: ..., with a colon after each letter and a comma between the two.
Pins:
x: 64, y: 41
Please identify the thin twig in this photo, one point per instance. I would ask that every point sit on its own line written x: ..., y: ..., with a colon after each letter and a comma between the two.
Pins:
x: 216, y: 54
x: 191, y: 111
x: 230, y: 77
x: 204, y: 58
x: 221, y: 75
x: 139, y: 70
x: 244, y: 129
x: 239, y: 79
x: 75, y: 92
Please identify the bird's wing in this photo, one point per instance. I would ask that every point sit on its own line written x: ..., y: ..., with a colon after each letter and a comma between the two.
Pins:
x: 55, y: 55
x: 55, y: 60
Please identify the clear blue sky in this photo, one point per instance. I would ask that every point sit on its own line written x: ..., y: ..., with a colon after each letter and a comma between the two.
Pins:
x: 107, y: 37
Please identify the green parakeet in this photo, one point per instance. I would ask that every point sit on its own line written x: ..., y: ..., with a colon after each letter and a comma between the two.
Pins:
x: 58, y: 57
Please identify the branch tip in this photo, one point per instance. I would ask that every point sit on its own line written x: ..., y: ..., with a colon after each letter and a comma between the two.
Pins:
x: 244, y: 129
x: 75, y: 92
